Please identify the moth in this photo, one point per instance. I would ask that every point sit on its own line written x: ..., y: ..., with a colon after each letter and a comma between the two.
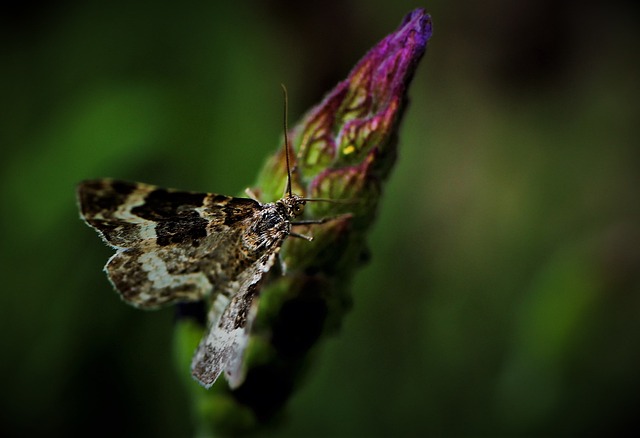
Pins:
x: 177, y: 246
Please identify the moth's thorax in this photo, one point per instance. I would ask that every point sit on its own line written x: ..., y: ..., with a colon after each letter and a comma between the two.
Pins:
x: 268, y: 226
x: 271, y: 215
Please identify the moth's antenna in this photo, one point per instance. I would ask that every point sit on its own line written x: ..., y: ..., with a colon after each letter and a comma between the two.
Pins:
x: 286, y: 154
x: 332, y: 201
x: 286, y: 138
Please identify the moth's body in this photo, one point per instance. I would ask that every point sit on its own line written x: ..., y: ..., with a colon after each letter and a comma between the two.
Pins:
x: 174, y: 246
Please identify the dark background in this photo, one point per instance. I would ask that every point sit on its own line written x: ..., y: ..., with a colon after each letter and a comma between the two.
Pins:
x: 503, y: 293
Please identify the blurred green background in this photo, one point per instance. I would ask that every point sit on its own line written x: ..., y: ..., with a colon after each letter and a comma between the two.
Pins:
x: 503, y: 294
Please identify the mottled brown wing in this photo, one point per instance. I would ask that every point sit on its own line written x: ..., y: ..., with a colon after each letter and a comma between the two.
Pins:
x: 172, y: 245
x: 230, y: 321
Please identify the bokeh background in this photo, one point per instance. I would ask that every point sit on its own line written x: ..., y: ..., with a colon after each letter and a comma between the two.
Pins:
x: 504, y: 290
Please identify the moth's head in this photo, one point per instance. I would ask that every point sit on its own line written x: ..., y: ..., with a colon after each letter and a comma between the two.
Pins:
x: 294, y: 205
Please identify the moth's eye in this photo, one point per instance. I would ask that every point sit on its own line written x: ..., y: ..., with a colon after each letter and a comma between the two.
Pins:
x: 298, y: 208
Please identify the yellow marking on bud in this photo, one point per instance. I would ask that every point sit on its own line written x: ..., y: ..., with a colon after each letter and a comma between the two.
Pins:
x: 349, y: 149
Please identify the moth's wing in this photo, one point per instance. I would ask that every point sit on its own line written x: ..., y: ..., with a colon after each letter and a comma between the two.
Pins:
x: 230, y: 321
x: 171, y: 244
x: 153, y: 277
x: 132, y: 215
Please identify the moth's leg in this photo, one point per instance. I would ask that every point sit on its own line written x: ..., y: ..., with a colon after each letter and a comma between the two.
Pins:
x: 322, y: 220
x: 308, y: 222
x: 313, y: 221
x: 250, y: 193
x: 301, y: 236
